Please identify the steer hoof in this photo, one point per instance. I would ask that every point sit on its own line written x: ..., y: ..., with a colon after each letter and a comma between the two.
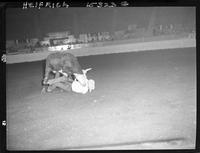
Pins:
x: 43, y: 91
x: 45, y: 81
x: 50, y: 88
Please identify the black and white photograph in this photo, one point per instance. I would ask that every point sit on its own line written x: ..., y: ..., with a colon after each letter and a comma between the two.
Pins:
x: 100, y: 77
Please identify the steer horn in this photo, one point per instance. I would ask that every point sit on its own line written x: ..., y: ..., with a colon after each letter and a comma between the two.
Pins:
x: 86, y: 70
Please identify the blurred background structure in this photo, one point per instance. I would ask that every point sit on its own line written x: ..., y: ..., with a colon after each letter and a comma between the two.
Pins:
x: 29, y: 30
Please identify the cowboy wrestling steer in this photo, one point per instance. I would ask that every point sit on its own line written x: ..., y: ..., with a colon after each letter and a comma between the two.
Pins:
x: 66, y: 62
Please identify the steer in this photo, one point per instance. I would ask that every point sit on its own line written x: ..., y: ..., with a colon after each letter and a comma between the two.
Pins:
x: 65, y: 62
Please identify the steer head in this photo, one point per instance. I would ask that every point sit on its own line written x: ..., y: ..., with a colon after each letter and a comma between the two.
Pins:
x: 82, y: 78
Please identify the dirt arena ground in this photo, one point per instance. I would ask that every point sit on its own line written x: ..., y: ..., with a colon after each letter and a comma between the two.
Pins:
x: 142, y: 100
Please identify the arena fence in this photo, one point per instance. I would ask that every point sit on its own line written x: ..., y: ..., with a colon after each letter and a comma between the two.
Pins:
x: 110, y: 49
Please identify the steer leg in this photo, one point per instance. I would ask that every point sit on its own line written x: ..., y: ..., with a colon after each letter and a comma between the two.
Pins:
x: 64, y: 86
x: 61, y: 82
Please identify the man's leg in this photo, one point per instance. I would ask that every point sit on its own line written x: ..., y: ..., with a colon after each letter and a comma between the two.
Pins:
x: 52, y: 87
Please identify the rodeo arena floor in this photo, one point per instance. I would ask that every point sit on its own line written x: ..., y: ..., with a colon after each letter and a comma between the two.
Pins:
x: 141, y: 100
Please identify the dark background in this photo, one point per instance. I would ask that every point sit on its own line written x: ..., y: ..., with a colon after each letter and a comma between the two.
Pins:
x: 35, y: 23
